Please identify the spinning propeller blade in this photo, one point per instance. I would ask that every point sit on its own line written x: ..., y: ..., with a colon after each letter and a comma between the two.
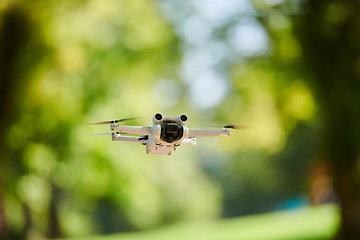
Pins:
x: 93, y: 134
x: 231, y: 126
x: 236, y: 127
x: 116, y: 121
x: 105, y: 122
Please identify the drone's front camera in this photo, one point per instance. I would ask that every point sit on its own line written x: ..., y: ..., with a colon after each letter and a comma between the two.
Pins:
x: 158, y: 116
x: 183, y: 118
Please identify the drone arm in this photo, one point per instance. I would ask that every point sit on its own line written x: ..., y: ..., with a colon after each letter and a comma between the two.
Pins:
x: 118, y: 137
x: 132, y: 129
x: 189, y: 141
x: 207, y: 133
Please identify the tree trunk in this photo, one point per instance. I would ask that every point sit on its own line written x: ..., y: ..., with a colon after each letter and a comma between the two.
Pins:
x: 54, y: 223
x: 329, y: 33
x: 16, y: 31
x: 13, y: 35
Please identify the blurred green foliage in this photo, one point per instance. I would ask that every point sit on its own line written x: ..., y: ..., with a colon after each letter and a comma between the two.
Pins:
x: 66, y: 63
x: 312, y: 223
x: 97, y: 60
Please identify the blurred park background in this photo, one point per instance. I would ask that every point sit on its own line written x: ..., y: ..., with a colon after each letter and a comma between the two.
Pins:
x: 288, y: 68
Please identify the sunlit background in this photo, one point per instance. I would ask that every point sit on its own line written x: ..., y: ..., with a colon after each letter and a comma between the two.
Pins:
x: 246, y: 62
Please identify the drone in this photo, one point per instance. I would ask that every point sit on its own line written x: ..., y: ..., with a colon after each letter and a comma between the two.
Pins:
x: 166, y: 134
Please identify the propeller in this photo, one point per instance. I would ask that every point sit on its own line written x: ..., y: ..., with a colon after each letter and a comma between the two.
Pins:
x: 236, y: 127
x: 93, y: 134
x: 231, y: 126
x: 116, y: 121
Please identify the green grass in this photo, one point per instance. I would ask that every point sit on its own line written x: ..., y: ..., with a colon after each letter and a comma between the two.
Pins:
x: 308, y: 223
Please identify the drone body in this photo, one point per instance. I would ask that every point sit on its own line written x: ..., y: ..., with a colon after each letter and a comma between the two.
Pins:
x: 166, y: 134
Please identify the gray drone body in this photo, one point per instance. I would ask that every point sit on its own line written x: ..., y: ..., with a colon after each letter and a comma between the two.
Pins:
x: 165, y: 135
